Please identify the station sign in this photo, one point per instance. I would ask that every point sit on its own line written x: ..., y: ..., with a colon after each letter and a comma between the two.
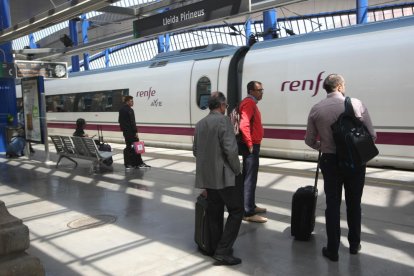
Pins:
x: 7, y: 70
x: 187, y: 16
x: 48, y: 70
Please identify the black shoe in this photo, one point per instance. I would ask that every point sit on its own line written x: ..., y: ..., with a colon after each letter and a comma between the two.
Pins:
x: 128, y: 167
x: 354, y: 249
x: 227, y: 259
x: 143, y: 166
x: 331, y: 256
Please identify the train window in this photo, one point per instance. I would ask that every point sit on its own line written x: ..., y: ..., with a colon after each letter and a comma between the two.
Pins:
x: 98, y: 101
x: 83, y: 102
x: 59, y: 103
x: 69, y: 102
x: 203, y: 103
x: 203, y: 92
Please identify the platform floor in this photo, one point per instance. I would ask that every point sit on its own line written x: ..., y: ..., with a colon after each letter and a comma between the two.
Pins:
x: 150, y: 215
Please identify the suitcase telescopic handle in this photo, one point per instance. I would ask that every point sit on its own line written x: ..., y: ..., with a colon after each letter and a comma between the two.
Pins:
x: 100, y: 134
x: 317, y: 170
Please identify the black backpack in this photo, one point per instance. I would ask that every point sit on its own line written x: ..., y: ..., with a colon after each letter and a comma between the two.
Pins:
x: 354, y: 144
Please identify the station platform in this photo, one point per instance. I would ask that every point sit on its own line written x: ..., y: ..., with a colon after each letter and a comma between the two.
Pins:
x: 141, y: 222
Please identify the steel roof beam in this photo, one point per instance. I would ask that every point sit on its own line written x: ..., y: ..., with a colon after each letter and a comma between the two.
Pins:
x: 38, y: 51
x: 146, y: 10
x: 260, y: 5
x: 127, y: 36
x: 119, y: 10
x: 53, y: 16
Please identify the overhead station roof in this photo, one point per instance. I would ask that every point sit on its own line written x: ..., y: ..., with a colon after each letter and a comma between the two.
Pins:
x: 113, y: 23
x: 22, y: 10
x: 49, y: 12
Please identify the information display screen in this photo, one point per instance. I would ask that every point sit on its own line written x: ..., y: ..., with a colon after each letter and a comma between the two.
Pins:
x: 48, y: 70
x: 31, y: 93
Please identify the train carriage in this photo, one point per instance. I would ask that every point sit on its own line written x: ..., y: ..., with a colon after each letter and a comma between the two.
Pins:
x: 375, y: 60
x: 171, y: 91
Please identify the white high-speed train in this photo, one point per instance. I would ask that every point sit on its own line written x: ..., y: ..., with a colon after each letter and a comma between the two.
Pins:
x: 170, y: 91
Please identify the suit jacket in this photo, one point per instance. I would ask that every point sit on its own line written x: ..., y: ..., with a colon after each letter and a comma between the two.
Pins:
x: 126, y: 121
x: 216, y: 152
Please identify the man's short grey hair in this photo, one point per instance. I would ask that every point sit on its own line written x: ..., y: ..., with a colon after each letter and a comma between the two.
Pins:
x: 332, y: 82
x: 216, y: 99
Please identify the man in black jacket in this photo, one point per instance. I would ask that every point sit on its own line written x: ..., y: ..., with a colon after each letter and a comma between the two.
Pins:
x: 128, y: 126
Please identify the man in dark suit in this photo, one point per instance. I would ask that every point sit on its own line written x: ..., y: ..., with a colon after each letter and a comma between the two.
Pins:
x: 217, y: 165
x: 128, y: 126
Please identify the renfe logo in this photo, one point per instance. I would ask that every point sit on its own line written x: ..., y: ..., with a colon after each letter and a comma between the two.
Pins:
x: 146, y: 93
x: 303, y: 85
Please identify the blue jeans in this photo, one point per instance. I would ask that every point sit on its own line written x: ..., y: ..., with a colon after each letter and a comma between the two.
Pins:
x: 353, y: 182
x: 250, y: 172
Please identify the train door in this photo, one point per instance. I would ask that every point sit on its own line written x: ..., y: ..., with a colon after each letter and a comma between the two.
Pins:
x: 204, y: 80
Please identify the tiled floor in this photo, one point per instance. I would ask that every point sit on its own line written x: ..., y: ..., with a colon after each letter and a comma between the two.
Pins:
x: 152, y: 213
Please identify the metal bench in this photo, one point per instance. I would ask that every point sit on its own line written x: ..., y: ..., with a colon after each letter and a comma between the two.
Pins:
x: 79, y: 147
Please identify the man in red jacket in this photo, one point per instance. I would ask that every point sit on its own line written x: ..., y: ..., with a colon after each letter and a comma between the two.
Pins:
x: 252, y: 132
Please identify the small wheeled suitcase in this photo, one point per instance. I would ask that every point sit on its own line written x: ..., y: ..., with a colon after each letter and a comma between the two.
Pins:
x: 202, y: 231
x: 131, y: 158
x: 202, y: 234
x: 104, y: 147
x: 303, y: 209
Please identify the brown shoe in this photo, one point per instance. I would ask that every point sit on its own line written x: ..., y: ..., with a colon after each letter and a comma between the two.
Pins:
x: 255, y: 218
x: 258, y: 210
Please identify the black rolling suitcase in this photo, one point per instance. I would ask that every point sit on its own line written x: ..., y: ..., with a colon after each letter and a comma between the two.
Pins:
x: 202, y: 230
x: 303, y: 209
x: 202, y: 235
x: 131, y: 158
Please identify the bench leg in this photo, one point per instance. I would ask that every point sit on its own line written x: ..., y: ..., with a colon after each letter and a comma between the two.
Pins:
x: 96, y: 166
x: 60, y: 158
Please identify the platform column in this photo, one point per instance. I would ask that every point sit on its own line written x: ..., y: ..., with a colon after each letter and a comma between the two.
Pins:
x: 73, y: 30
x: 160, y: 44
x: 163, y: 43
x: 85, y: 40
x: 167, y: 42
x: 107, y: 59
x: 32, y: 42
x: 8, y: 104
x: 269, y: 24
x: 362, y: 11
x: 163, y: 40
x: 248, y: 28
